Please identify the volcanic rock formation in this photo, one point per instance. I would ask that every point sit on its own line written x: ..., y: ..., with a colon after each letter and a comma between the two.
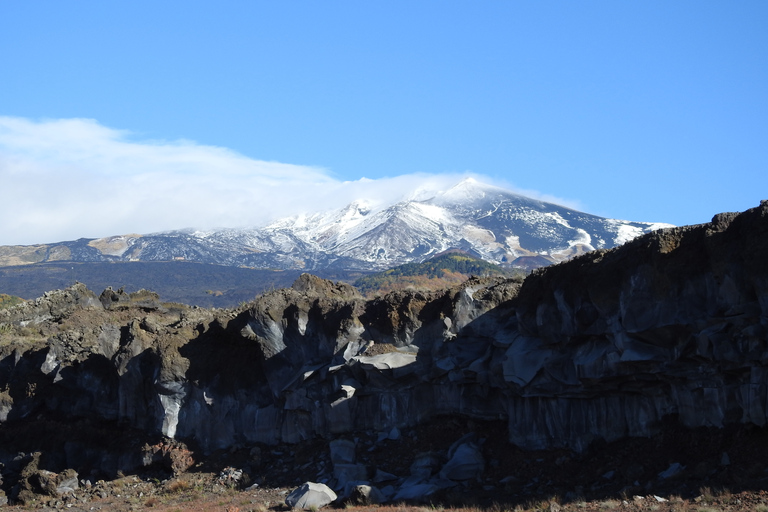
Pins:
x: 672, y: 326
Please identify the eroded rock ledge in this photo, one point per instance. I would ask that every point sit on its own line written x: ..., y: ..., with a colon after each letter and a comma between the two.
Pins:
x: 671, y: 325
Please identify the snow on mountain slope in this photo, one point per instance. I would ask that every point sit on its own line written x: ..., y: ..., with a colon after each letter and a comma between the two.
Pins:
x: 406, y: 231
x: 496, y: 224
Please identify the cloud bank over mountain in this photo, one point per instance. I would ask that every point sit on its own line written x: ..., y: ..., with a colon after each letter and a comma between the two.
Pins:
x: 69, y: 178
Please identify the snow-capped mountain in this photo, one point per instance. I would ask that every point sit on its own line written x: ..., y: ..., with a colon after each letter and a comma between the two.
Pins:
x: 493, y: 223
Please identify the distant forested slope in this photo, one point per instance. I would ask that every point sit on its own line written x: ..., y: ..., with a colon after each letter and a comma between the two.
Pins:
x: 190, y: 283
x: 438, y: 272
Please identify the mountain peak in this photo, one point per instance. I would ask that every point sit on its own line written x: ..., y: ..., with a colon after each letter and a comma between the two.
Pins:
x: 467, y: 190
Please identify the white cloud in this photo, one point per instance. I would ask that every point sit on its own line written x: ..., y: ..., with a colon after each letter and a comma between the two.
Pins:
x: 72, y: 178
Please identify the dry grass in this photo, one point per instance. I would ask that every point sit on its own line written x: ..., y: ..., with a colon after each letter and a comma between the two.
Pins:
x: 706, y: 494
x: 178, y: 486
x: 237, y: 502
x: 609, y: 504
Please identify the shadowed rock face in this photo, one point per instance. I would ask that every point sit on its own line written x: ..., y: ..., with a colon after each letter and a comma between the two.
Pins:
x: 671, y: 325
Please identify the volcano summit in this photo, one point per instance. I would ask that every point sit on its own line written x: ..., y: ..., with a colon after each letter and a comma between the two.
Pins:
x: 493, y: 223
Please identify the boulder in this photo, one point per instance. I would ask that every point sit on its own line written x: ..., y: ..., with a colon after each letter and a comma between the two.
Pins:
x: 344, y: 473
x: 466, y: 460
x: 342, y: 451
x: 366, y: 495
x: 35, y: 481
x: 416, y: 492
x: 425, y: 465
x: 310, y: 495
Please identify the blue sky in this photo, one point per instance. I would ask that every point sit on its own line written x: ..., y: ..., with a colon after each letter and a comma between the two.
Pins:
x: 139, y: 116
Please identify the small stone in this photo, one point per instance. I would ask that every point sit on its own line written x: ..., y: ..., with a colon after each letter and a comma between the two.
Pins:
x: 674, y: 469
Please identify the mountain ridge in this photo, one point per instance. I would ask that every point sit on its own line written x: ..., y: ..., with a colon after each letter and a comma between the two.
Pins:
x: 499, y: 225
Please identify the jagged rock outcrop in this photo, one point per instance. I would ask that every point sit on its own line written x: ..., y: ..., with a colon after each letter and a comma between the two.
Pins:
x: 672, y: 325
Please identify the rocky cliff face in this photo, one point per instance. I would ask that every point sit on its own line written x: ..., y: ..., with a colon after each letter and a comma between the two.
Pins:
x: 672, y: 326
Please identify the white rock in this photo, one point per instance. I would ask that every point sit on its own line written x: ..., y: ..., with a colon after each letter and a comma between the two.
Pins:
x: 310, y: 495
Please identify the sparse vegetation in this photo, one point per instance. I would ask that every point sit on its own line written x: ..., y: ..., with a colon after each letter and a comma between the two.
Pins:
x: 178, y: 486
x: 439, y: 272
x: 7, y: 301
x: 706, y: 494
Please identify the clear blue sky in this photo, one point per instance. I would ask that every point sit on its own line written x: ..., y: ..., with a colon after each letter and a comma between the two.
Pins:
x: 638, y: 110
